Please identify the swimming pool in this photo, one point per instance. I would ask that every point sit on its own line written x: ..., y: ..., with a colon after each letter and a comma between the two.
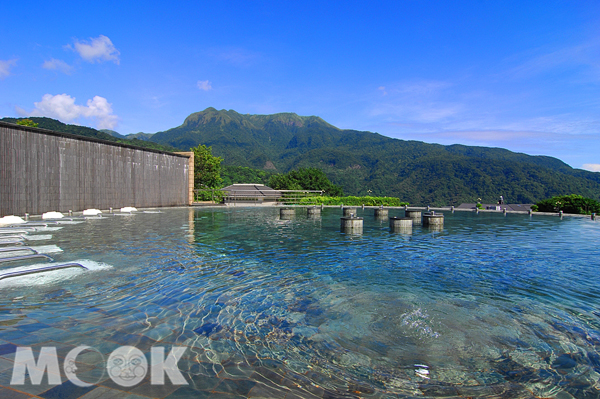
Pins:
x: 489, y: 306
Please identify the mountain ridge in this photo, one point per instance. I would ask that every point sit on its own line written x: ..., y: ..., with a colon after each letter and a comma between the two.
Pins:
x: 365, y: 162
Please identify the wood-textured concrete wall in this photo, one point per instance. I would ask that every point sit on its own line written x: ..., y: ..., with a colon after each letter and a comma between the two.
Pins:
x: 43, y: 171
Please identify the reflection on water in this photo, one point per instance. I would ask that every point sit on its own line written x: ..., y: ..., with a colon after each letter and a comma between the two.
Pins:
x: 488, y: 305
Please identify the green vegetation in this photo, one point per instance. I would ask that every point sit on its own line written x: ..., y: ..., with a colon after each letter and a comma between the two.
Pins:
x: 27, y: 122
x: 478, y: 205
x: 147, y: 144
x: 305, y: 179
x: 113, y: 133
x: 573, y: 203
x: 353, y: 201
x: 207, y: 173
x: 242, y: 174
x: 139, y: 136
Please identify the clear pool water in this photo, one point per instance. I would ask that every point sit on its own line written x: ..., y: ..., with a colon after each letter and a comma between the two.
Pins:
x: 490, y: 306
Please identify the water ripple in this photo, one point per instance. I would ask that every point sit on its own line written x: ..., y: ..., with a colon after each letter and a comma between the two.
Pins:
x: 490, y: 305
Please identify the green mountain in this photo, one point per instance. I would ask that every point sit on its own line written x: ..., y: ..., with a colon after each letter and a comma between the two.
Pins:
x: 248, y: 140
x: 139, y: 136
x: 131, y: 136
x: 108, y: 135
x: 112, y: 133
x: 368, y: 163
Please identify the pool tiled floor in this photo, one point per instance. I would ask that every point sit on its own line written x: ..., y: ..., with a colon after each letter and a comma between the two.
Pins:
x: 254, y: 328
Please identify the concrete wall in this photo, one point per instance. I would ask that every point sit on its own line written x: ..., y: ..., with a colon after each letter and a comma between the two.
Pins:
x: 190, y: 154
x: 43, y: 171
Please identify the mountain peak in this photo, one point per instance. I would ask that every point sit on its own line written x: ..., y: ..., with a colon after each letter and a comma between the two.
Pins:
x: 211, y: 115
x: 214, y: 117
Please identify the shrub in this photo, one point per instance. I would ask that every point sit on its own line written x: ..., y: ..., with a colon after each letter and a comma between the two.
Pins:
x: 305, y: 179
x: 352, y: 201
x: 27, y: 122
x: 203, y: 195
x: 573, y: 203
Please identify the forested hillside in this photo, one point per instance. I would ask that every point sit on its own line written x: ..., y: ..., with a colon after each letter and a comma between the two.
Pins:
x: 368, y: 163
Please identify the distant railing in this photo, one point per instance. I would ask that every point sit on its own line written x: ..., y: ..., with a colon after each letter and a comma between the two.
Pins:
x: 231, y: 196
x: 291, y: 197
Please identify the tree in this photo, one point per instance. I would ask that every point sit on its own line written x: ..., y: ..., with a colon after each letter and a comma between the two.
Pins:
x: 241, y: 174
x: 207, y: 168
x: 305, y: 179
x: 27, y: 122
x: 573, y: 203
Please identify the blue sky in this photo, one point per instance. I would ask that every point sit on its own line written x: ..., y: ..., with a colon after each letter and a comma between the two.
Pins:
x: 522, y: 75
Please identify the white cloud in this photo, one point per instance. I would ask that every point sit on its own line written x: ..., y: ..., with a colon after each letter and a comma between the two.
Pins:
x: 420, y: 112
x: 5, y: 67
x: 58, y: 65
x: 63, y: 108
x: 592, y: 167
x: 420, y: 101
x: 576, y: 56
x: 98, y: 49
x: 21, y: 112
x: 574, y: 149
x: 561, y: 123
x: 204, y: 85
x: 434, y: 106
x: 422, y: 88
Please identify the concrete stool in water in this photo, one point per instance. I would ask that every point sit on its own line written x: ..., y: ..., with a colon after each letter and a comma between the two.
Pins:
x: 412, y: 214
x: 313, y: 211
x: 381, y: 213
x: 351, y: 224
x: 287, y: 213
x: 433, y: 219
x: 348, y: 211
x: 435, y: 227
x: 401, y: 225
